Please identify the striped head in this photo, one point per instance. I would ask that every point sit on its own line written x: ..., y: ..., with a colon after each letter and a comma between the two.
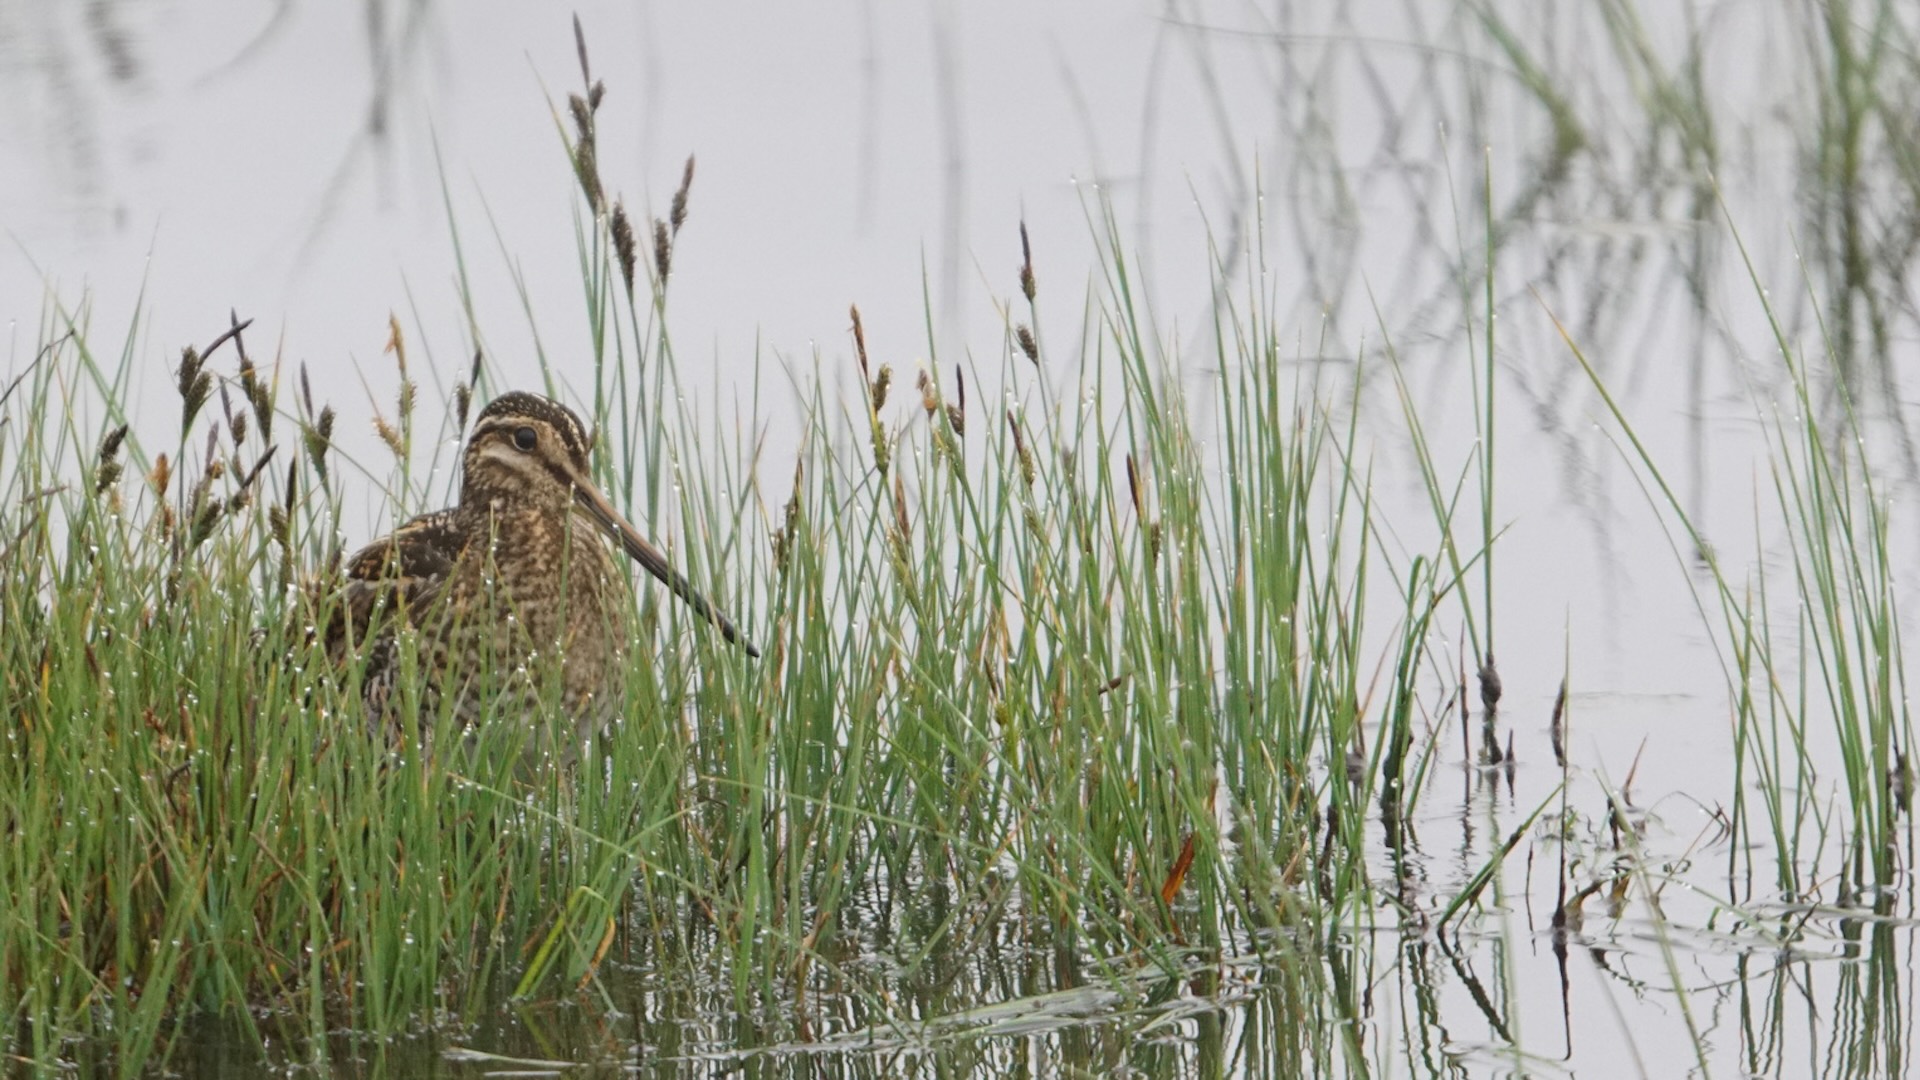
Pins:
x: 531, y: 452
x: 525, y: 450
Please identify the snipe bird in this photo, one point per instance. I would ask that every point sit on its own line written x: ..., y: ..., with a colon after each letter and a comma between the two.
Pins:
x: 512, y: 587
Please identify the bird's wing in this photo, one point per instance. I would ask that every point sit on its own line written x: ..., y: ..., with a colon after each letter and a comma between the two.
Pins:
x: 405, y: 568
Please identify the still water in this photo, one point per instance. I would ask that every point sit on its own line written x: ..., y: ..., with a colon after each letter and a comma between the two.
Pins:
x: 317, y: 167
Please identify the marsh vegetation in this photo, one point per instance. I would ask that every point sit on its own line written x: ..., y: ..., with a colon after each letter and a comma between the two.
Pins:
x: 1117, y: 712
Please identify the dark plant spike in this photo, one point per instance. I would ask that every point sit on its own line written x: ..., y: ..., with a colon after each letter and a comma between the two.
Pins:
x: 258, y: 398
x: 957, y: 411
x: 106, y: 472
x: 318, y: 438
x: 397, y: 345
x: 662, y: 251
x: 1027, y: 288
x: 1020, y: 451
x: 195, y: 384
x: 624, y: 249
x: 582, y: 117
x: 785, y: 537
x: 586, y: 166
x: 586, y: 154
x: 860, y: 344
x: 463, y: 393
x: 677, y: 215
x: 580, y: 47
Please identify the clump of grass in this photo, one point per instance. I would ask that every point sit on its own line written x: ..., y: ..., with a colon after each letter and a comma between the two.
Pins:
x: 1846, y: 664
x: 1076, y: 691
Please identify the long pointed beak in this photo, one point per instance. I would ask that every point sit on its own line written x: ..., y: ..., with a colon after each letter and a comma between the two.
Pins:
x: 596, y: 505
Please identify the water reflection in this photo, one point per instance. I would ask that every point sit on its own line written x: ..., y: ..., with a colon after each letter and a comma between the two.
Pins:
x: 1249, y: 1020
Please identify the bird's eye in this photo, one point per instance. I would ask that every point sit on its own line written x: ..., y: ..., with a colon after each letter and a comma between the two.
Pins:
x: 525, y: 438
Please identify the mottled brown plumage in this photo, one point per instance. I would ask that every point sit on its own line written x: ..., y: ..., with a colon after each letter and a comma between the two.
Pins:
x: 514, y: 593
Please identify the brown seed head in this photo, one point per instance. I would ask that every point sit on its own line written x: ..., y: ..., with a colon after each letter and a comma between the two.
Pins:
x: 463, y: 394
x: 1020, y: 452
x: 389, y: 436
x: 900, y: 519
x: 206, y: 515
x: 1026, y: 264
x: 901, y: 534
x: 111, y: 442
x: 586, y: 166
x: 859, y: 341
x: 161, y: 476
x: 258, y: 398
x: 788, y: 533
x: 107, y: 472
x: 318, y: 438
x: 957, y: 410
x: 580, y: 47
x: 396, y: 342
x: 195, y: 384
x: 929, y: 394
x: 582, y: 117
x: 623, y: 245
x: 190, y: 364
x: 662, y: 250
x: 677, y: 216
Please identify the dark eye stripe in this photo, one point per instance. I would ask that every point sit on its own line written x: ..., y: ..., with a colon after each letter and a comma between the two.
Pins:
x: 507, y: 426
